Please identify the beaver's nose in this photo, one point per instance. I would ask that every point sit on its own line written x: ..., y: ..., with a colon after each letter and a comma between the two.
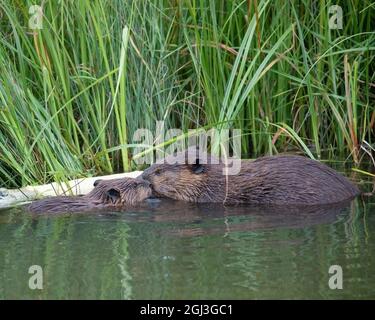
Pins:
x: 145, y: 174
x: 145, y: 182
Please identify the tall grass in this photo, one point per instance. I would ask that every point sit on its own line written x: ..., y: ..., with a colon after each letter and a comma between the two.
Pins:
x: 73, y: 93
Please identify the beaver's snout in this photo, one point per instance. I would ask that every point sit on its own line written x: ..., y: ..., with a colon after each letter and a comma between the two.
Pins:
x: 144, y: 183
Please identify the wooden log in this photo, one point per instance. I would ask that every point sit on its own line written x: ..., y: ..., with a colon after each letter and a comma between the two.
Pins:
x: 12, y: 197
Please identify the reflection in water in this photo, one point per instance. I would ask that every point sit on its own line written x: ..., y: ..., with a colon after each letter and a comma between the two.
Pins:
x: 81, y: 257
x: 239, y: 218
x: 170, y: 249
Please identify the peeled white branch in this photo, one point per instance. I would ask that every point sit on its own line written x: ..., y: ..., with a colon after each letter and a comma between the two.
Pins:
x: 11, y: 197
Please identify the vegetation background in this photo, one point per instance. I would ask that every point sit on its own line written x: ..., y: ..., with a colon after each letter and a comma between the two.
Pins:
x: 73, y: 93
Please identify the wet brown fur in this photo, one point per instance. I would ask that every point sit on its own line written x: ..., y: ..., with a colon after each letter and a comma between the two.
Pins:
x: 282, y: 179
x: 107, y: 194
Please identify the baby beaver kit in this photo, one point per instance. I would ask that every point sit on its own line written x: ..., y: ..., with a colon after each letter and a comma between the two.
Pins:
x: 107, y: 195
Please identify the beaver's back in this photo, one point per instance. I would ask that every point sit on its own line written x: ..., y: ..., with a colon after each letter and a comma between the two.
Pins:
x: 62, y: 204
x: 294, y: 180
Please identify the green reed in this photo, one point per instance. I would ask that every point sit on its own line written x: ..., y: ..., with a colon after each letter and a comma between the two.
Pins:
x: 73, y: 93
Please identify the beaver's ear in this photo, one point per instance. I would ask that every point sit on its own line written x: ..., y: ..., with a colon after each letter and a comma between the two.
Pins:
x: 197, y: 167
x: 113, y: 195
x: 96, y: 182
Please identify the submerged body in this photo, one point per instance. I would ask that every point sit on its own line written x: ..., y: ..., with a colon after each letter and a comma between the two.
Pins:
x: 107, y: 194
x: 283, y: 179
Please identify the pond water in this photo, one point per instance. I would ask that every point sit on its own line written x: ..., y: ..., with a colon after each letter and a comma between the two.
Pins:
x: 171, y: 250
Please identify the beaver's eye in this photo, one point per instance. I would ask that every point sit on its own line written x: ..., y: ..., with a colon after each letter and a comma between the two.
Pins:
x: 113, y: 195
x: 197, y: 168
x: 158, y: 172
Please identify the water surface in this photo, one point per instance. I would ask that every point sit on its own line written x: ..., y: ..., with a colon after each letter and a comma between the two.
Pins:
x: 172, y: 250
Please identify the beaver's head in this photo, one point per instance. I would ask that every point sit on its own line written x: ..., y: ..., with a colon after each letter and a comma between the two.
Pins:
x: 121, y: 192
x: 107, y: 194
x: 177, y: 180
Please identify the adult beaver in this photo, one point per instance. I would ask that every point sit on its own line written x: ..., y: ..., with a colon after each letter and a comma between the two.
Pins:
x: 282, y: 179
x: 107, y: 194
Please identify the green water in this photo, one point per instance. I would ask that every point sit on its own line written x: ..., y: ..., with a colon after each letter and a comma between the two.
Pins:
x: 171, y: 250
